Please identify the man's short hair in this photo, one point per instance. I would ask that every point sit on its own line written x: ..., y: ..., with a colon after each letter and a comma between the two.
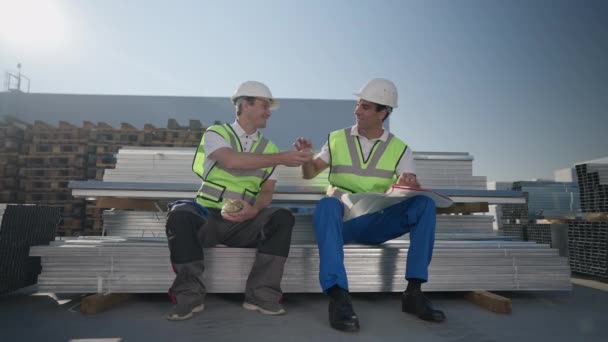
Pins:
x: 380, y: 107
x: 239, y: 101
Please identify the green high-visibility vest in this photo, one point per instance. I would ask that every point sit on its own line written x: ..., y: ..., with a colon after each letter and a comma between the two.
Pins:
x: 351, y: 172
x: 221, y: 183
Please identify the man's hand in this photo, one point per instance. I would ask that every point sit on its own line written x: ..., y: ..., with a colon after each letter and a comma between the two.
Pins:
x: 303, y: 144
x: 248, y: 212
x: 408, y: 179
x: 295, y: 158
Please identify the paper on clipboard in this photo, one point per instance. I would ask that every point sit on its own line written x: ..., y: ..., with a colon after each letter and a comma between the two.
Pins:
x: 371, y: 202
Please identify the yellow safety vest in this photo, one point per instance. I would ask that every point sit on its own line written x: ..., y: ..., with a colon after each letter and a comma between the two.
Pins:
x: 220, y: 183
x: 351, y: 172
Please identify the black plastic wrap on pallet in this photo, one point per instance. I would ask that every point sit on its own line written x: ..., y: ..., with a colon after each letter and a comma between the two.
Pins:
x: 23, y: 226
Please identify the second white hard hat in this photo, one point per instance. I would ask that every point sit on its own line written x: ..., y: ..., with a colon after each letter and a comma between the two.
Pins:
x: 255, y: 89
x: 380, y: 91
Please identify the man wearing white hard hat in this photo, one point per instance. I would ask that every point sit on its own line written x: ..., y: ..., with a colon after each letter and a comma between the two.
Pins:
x: 235, y: 163
x: 368, y: 158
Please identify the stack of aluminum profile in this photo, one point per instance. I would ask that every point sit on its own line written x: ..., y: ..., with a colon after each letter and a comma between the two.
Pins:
x: 593, y: 183
x: 588, y: 247
x: 513, y: 218
x: 549, y: 199
x: 588, y: 239
x: 138, y: 266
x: 545, y: 200
x: 23, y: 226
x: 437, y: 170
x: 144, y: 224
x: 538, y: 231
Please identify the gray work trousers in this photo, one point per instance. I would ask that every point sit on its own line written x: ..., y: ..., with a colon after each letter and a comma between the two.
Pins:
x: 188, y: 233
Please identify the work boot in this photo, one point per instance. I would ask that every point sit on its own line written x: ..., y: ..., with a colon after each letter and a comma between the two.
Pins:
x: 341, y: 314
x: 268, y: 308
x: 416, y: 303
x: 184, y: 310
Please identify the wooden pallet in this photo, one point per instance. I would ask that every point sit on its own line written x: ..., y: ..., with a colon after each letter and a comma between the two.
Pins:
x: 53, y: 160
x: 58, y: 148
x: 105, y: 149
x: 46, y: 197
x: 68, y: 135
x: 10, y: 145
x: 10, y: 131
x: 63, y: 230
x: 8, y: 171
x: 70, y: 173
x: 117, y: 137
x: 9, y: 158
x: 171, y: 135
x: 8, y: 196
x: 43, y: 185
x: 9, y: 183
x: 69, y: 208
x: 174, y: 144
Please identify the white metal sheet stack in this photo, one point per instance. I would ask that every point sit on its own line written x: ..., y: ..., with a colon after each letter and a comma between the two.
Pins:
x: 140, y: 263
x: 436, y: 170
x: 147, y: 224
x: 447, y: 170
x: 121, y: 265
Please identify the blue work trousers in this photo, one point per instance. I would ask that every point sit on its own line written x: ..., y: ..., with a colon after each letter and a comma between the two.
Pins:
x: 415, y: 216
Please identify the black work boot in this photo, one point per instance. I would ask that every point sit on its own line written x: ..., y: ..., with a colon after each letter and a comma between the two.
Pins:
x: 415, y: 302
x: 341, y: 314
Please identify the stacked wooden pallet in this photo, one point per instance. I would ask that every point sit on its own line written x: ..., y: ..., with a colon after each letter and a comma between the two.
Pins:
x: 11, y: 144
x: 106, y: 140
x: 175, y: 135
x: 54, y: 156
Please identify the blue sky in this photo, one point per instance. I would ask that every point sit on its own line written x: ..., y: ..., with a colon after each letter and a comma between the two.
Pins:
x: 521, y: 84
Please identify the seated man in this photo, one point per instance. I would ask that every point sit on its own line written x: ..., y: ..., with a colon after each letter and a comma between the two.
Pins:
x: 367, y: 158
x: 235, y: 162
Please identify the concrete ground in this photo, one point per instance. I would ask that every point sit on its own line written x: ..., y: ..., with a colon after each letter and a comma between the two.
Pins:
x: 580, y: 315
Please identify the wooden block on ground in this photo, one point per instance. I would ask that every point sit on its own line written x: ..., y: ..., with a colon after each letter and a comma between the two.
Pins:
x: 100, y: 302
x: 595, y: 217
x: 490, y: 301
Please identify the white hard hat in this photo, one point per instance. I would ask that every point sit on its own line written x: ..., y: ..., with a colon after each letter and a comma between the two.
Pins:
x: 380, y: 91
x: 255, y: 89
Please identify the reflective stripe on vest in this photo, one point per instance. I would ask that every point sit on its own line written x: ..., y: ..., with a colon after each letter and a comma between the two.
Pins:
x: 350, y: 172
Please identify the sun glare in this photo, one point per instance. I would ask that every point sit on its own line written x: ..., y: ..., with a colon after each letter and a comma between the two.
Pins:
x: 34, y: 23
